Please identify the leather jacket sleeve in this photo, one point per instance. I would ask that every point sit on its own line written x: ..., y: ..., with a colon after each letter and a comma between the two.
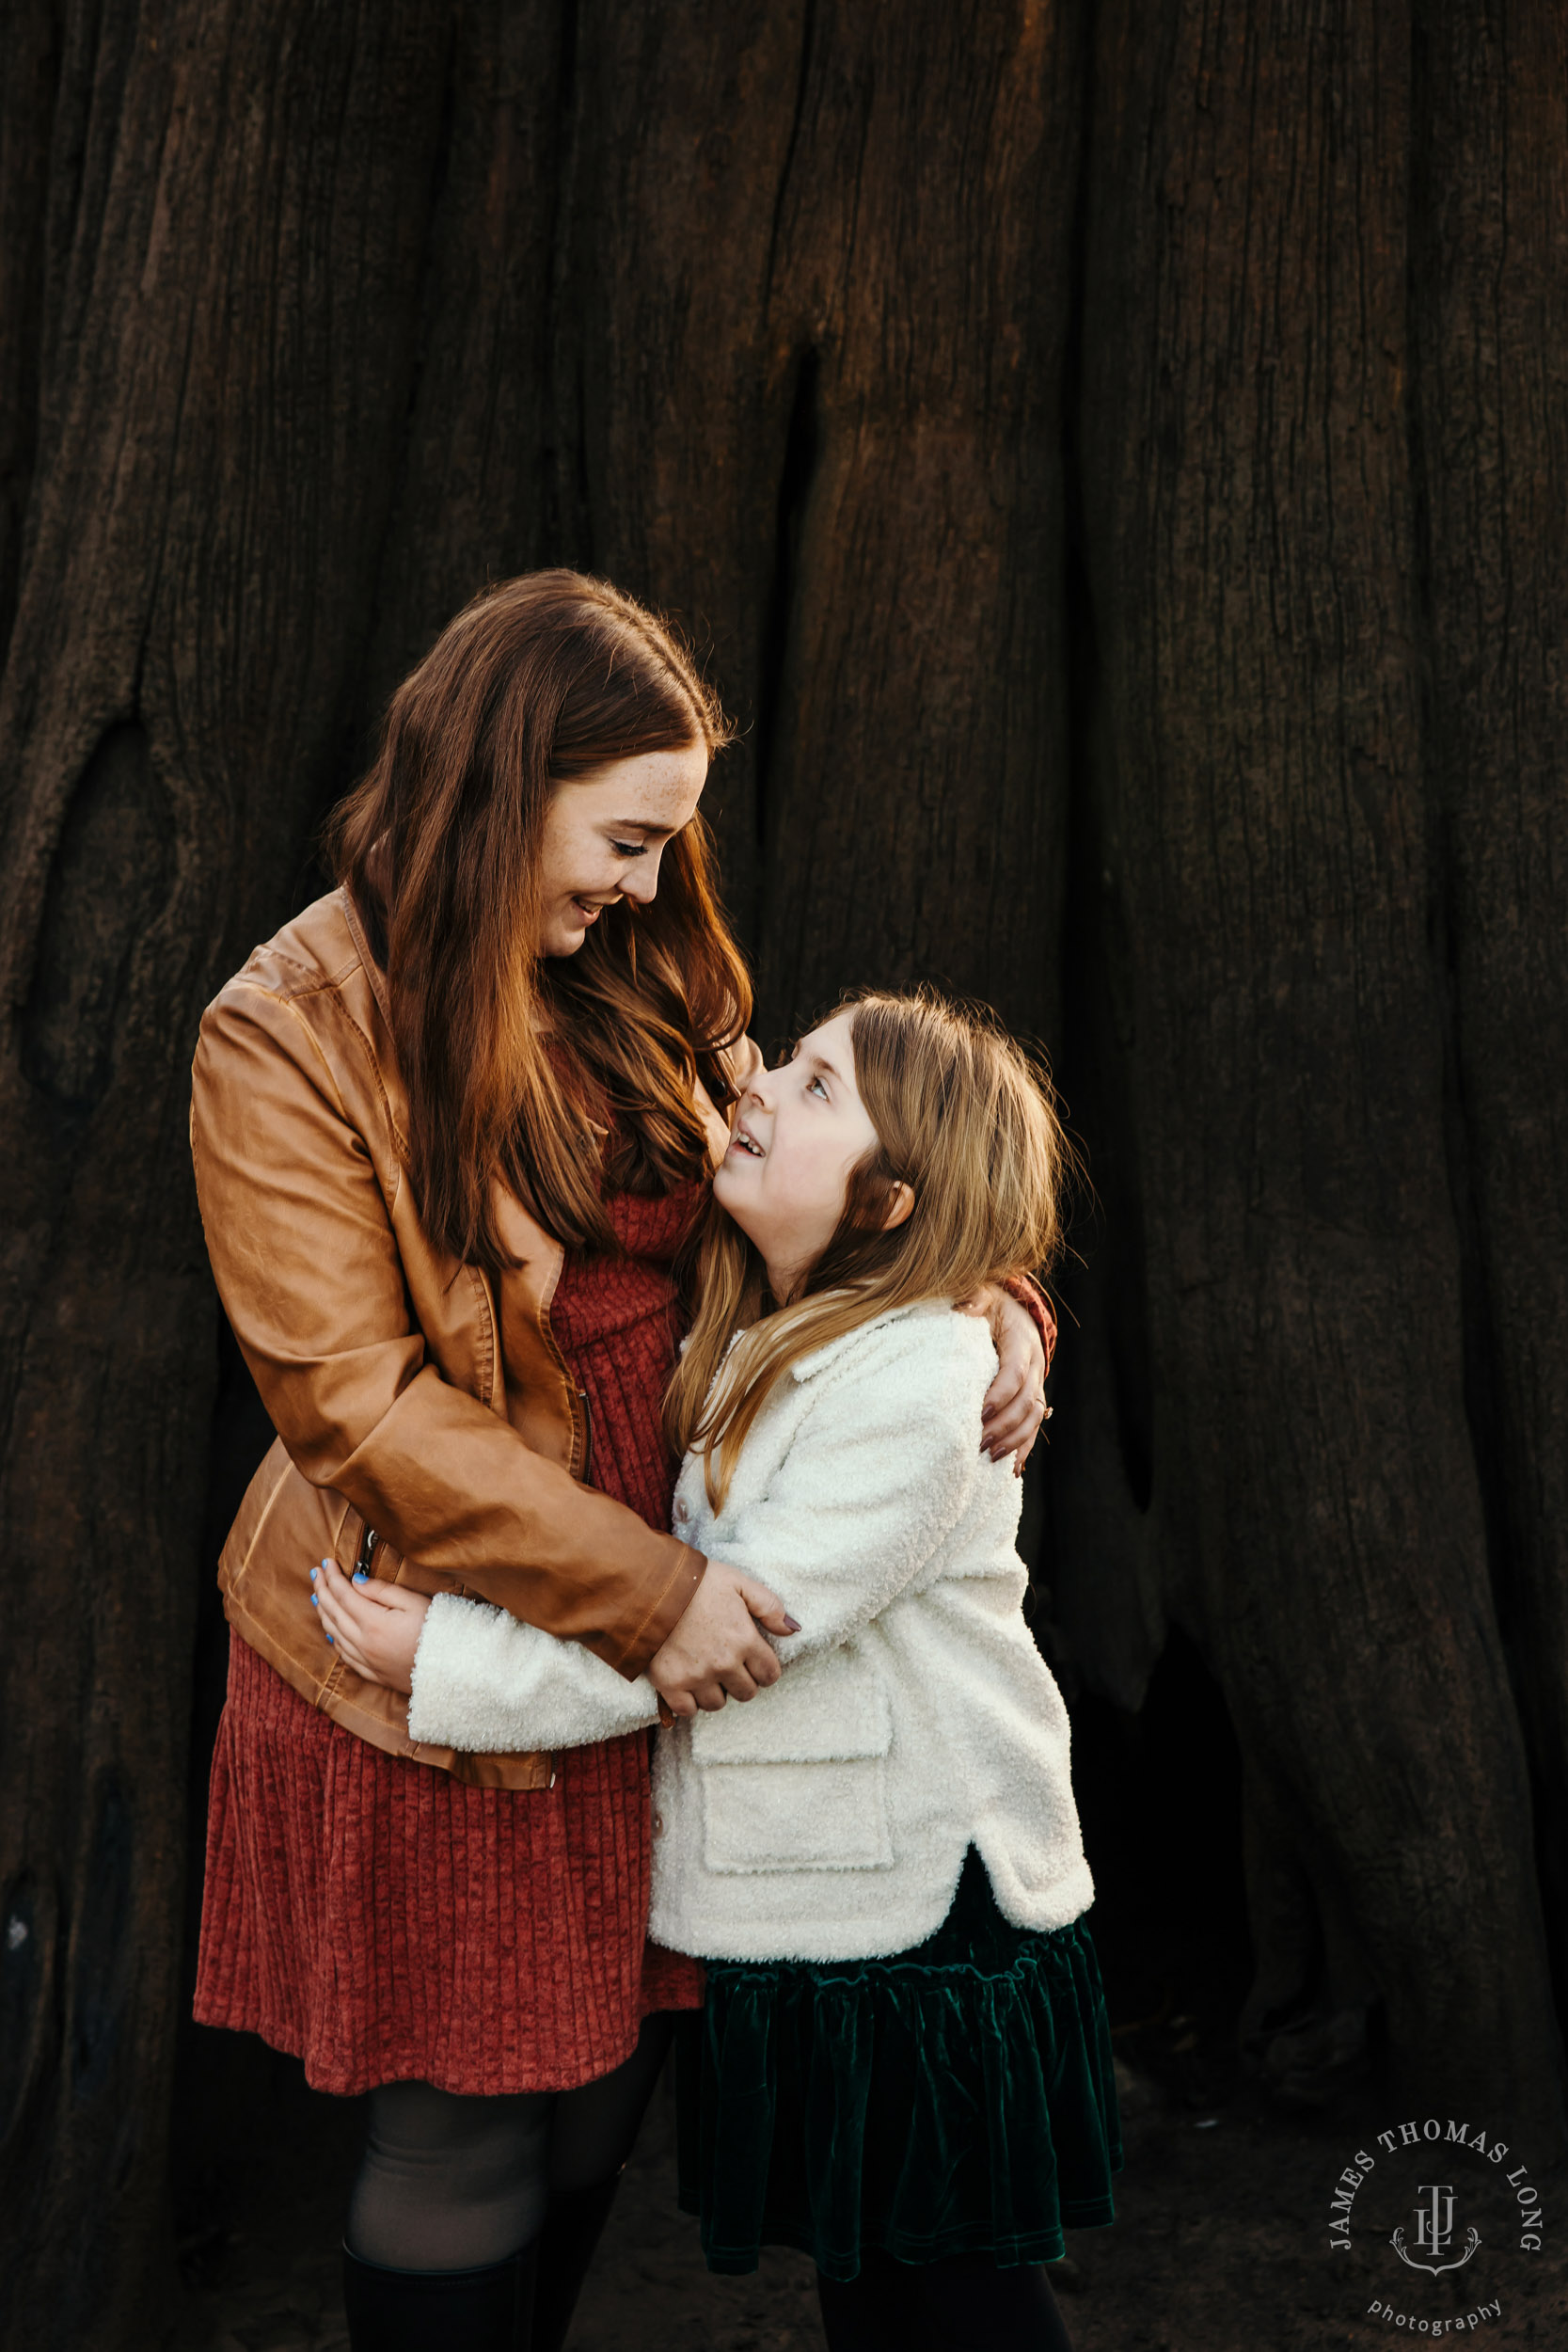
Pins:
x: 309, y: 1253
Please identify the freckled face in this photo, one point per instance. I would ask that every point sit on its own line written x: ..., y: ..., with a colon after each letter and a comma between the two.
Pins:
x: 800, y: 1131
x: 605, y: 835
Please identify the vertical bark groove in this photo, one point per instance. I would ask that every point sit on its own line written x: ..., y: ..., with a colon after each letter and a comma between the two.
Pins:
x: 106, y: 887
x: 797, y: 475
x: 28, y: 104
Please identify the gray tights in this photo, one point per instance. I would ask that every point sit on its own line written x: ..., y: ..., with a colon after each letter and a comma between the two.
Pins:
x: 449, y: 2180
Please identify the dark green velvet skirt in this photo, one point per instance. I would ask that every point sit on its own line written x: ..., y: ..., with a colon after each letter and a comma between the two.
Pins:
x: 957, y: 2098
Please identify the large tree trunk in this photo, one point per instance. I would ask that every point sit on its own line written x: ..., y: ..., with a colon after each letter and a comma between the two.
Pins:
x: 802, y: 322
x: 819, y: 366
x: 235, y: 217
x: 1259, y: 793
x: 1490, y: 320
x: 917, y: 777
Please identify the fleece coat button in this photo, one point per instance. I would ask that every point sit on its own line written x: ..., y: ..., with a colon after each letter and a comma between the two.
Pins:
x: 659, y: 1824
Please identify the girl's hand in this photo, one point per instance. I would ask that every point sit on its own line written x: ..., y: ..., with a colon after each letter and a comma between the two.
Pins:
x: 1015, y: 1410
x: 374, y: 1627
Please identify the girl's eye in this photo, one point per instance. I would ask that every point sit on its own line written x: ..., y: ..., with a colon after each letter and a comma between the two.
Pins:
x: 629, y: 848
x: 820, y: 1088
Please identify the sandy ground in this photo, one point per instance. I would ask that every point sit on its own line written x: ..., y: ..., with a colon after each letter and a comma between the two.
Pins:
x: 1221, y: 2246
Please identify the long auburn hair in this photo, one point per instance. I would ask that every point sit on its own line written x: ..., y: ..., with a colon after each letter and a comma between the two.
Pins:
x: 516, y: 1065
x: 964, y: 1118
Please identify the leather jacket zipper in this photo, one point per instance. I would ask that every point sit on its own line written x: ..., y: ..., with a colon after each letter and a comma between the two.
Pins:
x: 581, y: 1394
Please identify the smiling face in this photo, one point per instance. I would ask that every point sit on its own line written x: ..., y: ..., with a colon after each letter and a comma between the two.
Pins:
x: 799, y: 1133
x: 604, y: 838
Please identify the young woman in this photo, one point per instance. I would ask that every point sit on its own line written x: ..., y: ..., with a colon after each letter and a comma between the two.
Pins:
x: 904, y: 2065
x: 450, y: 1128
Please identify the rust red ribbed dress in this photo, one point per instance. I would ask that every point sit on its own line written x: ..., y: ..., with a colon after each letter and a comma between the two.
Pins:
x: 384, y: 1921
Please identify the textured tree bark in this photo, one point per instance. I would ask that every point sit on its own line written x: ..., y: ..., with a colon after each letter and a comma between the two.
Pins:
x: 916, y: 798
x: 476, y: 469
x: 1259, y: 796
x: 234, y: 225
x: 1490, y: 318
x: 673, y: 396
x: 26, y: 116
x: 819, y: 371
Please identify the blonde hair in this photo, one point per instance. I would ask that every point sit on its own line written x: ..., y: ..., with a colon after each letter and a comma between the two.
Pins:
x: 968, y: 1121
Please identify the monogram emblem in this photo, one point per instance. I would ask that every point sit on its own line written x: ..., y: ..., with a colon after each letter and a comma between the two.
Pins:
x: 1435, y: 2233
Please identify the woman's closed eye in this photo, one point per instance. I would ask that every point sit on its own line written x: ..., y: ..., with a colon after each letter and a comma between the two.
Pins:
x: 629, y: 848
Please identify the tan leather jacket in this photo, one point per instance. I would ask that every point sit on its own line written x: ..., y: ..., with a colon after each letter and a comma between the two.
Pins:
x: 408, y: 1398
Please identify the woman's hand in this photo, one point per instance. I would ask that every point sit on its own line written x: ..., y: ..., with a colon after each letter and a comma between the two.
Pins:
x: 714, y: 1649
x: 1015, y: 1407
x: 374, y: 1627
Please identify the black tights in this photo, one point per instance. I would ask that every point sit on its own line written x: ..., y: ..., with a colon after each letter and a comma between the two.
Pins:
x: 964, y: 2304
x: 450, y: 2181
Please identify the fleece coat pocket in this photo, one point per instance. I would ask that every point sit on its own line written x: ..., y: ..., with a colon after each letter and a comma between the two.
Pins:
x: 794, y: 1779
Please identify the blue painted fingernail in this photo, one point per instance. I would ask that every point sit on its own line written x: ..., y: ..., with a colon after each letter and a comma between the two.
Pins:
x: 312, y: 1601
x: 361, y: 1576
x: 324, y: 1564
x: 329, y: 1638
x: 314, y: 1573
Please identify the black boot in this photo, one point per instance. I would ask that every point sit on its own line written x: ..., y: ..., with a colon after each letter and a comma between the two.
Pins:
x: 574, y: 2222
x: 486, y: 2310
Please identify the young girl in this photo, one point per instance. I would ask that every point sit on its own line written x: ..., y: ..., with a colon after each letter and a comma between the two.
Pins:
x: 904, y: 2065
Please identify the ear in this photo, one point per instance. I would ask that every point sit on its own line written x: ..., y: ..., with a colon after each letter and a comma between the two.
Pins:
x: 900, y: 1204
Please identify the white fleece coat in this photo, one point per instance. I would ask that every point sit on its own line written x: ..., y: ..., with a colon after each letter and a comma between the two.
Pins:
x: 828, y: 1817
